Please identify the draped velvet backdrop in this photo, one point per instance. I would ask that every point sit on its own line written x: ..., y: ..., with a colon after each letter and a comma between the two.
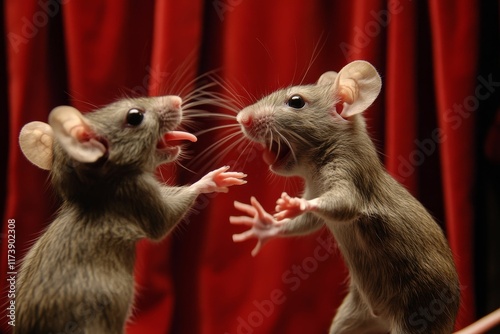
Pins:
x: 88, y: 53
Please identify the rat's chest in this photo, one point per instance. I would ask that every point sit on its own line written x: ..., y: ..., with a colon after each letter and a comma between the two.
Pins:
x: 363, y: 241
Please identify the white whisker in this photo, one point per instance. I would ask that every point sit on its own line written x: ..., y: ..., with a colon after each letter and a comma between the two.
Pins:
x: 225, y: 104
x: 216, y: 146
x: 178, y: 163
x: 199, y: 91
x: 228, y: 149
x: 215, y: 128
x: 74, y: 99
x: 287, y: 143
x: 250, y: 143
x: 231, y: 91
x: 271, y: 139
x: 194, y: 113
x: 315, y: 54
x: 181, y: 72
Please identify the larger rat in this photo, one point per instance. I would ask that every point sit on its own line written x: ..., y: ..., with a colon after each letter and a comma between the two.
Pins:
x: 398, y: 258
x: 78, y: 276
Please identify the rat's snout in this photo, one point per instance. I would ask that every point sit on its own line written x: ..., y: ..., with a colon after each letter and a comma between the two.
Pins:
x: 169, y: 108
x: 249, y: 122
x: 252, y: 117
x: 245, y: 120
x: 255, y: 122
x: 173, y: 102
x: 168, y: 103
x: 176, y: 102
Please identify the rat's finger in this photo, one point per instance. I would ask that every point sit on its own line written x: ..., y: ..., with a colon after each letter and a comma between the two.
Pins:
x: 285, y: 196
x: 238, y: 175
x: 243, y: 236
x: 242, y: 220
x: 284, y: 214
x: 257, y: 248
x: 260, y: 244
x: 280, y: 202
x: 281, y: 215
x: 260, y: 210
x: 232, y: 182
x: 219, y: 170
x: 284, y: 206
x: 248, y: 209
x: 285, y: 201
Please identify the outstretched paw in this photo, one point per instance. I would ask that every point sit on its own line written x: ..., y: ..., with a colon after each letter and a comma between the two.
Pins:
x: 291, y: 207
x: 219, y: 180
x: 264, y: 226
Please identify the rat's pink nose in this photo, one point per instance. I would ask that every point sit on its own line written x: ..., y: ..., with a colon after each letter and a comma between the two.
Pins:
x: 176, y: 102
x: 246, y: 121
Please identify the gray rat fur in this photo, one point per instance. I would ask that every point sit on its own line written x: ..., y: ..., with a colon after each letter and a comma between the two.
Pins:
x: 398, y: 258
x: 78, y: 276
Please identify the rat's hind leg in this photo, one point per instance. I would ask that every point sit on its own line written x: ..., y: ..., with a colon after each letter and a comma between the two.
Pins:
x: 355, y: 317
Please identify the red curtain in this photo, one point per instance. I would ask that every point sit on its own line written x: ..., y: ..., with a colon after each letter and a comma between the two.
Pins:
x: 88, y: 53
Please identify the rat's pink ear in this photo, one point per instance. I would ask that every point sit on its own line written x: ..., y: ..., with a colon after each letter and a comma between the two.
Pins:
x: 357, y: 85
x: 73, y: 132
x: 36, y: 140
x: 327, y: 78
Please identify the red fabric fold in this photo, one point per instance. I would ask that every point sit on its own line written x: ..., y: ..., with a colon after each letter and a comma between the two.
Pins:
x: 455, y: 80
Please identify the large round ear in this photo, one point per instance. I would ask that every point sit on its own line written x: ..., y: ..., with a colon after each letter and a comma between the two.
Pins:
x: 327, y: 78
x: 36, y: 141
x: 73, y: 132
x: 357, y: 85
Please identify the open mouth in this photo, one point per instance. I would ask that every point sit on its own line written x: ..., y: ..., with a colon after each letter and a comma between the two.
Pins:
x: 276, y: 154
x: 171, y: 141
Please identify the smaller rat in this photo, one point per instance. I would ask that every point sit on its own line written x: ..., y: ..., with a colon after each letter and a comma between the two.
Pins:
x: 78, y: 276
x: 397, y: 255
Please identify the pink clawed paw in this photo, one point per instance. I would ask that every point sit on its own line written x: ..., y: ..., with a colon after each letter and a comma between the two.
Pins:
x: 220, y: 180
x: 291, y: 207
x: 263, y: 226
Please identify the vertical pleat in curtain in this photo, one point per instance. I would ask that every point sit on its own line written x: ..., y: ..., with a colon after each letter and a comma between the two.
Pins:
x: 456, y: 120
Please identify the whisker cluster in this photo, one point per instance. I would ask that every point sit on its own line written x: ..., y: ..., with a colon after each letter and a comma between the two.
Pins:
x: 214, y: 103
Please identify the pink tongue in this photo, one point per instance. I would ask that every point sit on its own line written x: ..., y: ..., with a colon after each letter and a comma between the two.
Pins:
x: 179, y: 135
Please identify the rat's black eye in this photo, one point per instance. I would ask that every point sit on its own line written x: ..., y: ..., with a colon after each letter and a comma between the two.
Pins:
x: 135, y: 117
x: 296, y: 102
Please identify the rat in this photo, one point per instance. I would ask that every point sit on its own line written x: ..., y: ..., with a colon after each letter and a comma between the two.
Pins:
x: 78, y: 276
x: 402, y: 273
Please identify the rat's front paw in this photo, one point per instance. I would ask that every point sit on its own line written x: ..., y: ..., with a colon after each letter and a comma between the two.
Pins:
x: 291, y: 207
x: 219, y: 180
x: 263, y: 225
